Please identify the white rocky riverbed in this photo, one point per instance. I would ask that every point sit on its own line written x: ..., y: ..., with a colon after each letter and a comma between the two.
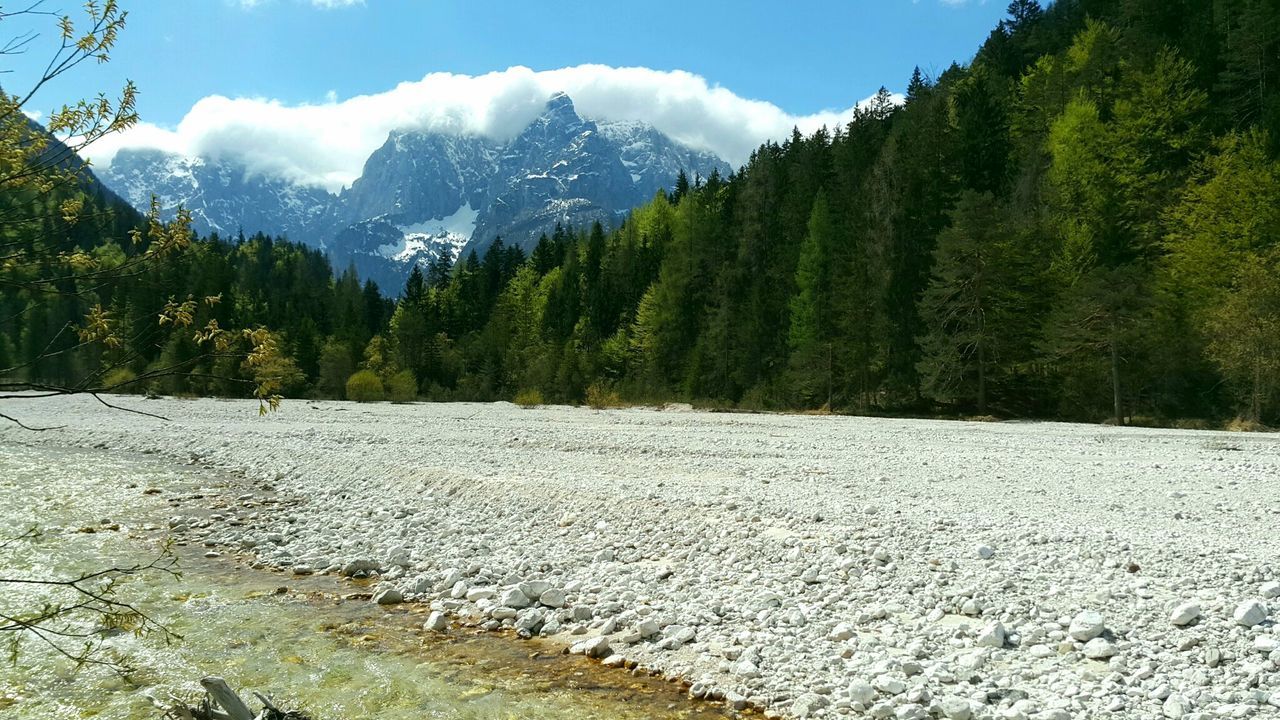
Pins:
x: 813, y: 566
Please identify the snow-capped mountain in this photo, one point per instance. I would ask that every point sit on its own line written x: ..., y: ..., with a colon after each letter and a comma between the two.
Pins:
x: 425, y: 193
x: 222, y: 195
x: 653, y: 159
x: 385, y: 252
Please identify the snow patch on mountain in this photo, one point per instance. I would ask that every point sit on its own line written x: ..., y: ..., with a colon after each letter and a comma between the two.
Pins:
x: 425, y: 241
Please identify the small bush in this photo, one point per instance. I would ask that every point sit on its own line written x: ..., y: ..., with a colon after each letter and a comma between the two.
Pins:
x: 528, y: 398
x: 601, y: 396
x: 121, y: 380
x: 365, y: 386
x: 402, y: 387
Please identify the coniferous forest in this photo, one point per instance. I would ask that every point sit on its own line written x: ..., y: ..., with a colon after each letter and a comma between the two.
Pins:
x: 1082, y: 223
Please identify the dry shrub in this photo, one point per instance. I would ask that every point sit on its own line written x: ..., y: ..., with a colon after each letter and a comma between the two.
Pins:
x: 528, y: 398
x: 601, y: 397
x: 1245, y: 425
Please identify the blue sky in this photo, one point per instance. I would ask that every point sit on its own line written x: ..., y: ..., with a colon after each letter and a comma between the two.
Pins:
x: 801, y: 58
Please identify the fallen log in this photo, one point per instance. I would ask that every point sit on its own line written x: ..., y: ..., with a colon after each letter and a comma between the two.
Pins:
x: 226, y: 698
x: 220, y: 702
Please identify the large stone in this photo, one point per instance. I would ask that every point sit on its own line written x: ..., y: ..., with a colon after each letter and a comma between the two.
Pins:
x: 808, y: 705
x: 648, y: 628
x: 552, y: 598
x: 529, y: 619
x: 1174, y: 708
x: 1099, y: 649
x: 1185, y: 614
x: 861, y: 692
x: 363, y: 567
x: 515, y: 598
x: 533, y: 589
x: 956, y: 708
x: 436, y: 622
x: 1270, y: 590
x: 992, y: 636
x: 841, y: 632
x: 388, y: 596
x: 449, y: 578
x: 1250, y: 613
x: 597, y: 647
x: 911, y: 711
x: 1087, y: 625
x: 889, y: 684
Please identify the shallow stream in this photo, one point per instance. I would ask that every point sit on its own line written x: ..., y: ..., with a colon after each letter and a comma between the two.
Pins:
x: 307, y: 648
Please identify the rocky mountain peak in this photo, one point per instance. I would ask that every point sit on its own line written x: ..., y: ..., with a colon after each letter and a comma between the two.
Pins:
x: 425, y: 193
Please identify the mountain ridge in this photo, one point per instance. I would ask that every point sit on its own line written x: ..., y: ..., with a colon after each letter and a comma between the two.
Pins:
x: 424, y: 193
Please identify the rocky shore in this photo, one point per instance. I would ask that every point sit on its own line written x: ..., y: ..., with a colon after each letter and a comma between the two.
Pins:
x: 812, y: 566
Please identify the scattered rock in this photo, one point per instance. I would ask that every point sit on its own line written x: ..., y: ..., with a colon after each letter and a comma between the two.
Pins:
x: 1250, y: 613
x: 362, y: 567
x: 1185, y: 614
x: 956, y: 708
x: 514, y: 598
x: 1086, y: 626
x: 1099, y: 649
x: 992, y: 636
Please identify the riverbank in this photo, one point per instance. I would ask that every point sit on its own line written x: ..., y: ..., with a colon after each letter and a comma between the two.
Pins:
x: 310, y: 643
x: 816, y: 566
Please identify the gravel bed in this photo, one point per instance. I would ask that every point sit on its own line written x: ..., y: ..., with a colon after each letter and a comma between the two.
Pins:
x: 813, y: 566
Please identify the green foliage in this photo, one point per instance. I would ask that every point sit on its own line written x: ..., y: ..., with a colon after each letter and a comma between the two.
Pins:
x: 121, y: 380
x: 971, y: 308
x: 337, y: 363
x: 528, y: 398
x: 1079, y: 223
x: 1244, y: 334
x: 365, y: 386
x: 809, y: 336
x: 401, y: 387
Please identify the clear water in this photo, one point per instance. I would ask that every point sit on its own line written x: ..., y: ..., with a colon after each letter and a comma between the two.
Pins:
x: 306, y: 648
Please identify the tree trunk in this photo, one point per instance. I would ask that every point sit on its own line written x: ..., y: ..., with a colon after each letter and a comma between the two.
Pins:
x: 982, y: 378
x: 1255, y: 403
x: 1115, y: 383
x: 830, y: 379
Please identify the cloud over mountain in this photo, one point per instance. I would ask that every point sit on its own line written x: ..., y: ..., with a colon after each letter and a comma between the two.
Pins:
x: 326, y: 143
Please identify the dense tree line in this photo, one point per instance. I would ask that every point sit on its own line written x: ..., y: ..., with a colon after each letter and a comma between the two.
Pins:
x: 80, y: 310
x: 1084, y: 222
x: 1081, y: 223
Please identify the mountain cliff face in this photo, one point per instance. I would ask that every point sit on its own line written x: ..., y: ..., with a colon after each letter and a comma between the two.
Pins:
x: 222, y: 195
x: 423, y: 194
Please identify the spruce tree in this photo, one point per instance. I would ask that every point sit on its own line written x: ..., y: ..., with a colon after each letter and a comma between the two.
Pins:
x: 808, y: 338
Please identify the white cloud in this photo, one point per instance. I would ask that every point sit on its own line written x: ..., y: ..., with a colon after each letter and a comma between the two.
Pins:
x: 327, y: 143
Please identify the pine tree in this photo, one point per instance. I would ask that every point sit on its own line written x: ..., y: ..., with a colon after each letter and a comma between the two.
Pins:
x: 969, y: 304
x: 809, y: 337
